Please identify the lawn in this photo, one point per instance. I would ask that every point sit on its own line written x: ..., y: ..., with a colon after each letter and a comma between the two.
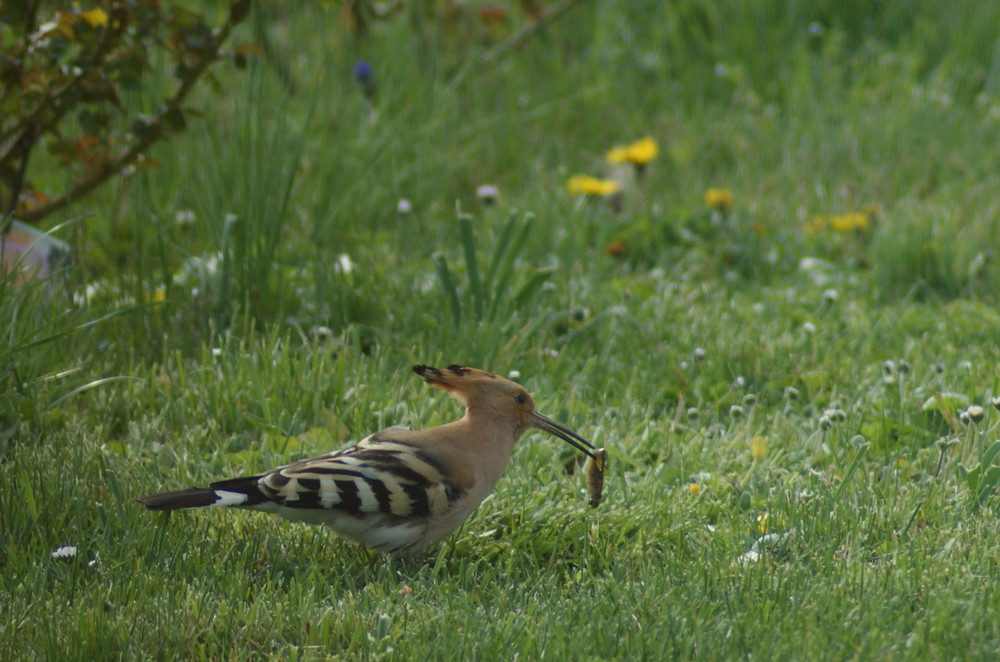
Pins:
x: 783, y: 327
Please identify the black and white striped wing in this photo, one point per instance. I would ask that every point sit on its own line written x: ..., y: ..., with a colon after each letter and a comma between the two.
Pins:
x: 378, y: 475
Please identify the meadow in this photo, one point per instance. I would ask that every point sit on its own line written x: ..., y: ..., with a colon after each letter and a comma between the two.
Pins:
x: 783, y: 326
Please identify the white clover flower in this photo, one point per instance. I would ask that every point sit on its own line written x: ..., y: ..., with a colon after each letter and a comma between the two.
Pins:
x: 404, y: 207
x: 825, y: 423
x: 699, y: 353
x: 829, y: 296
x: 693, y: 412
x: 809, y: 327
x: 736, y: 411
x: 749, y: 399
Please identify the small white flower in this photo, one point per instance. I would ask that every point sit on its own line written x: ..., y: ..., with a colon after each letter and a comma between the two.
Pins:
x: 216, y: 352
x: 829, y: 296
x: 64, y: 553
x: 184, y: 217
x: 996, y: 402
x: 404, y: 206
x: 514, y: 374
x: 964, y: 417
x: 321, y: 332
x: 693, y: 412
x: 736, y: 411
x: 975, y: 412
x: 487, y: 193
x: 344, y: 263
x: 809, y: 327
x: 699, y: 353
x: 749, y: 399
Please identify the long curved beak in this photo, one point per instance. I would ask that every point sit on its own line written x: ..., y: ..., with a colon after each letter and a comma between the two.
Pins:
x: 573, y: 439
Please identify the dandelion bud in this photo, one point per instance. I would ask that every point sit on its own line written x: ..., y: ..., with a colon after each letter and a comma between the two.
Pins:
x: 835, y: 415
x: 996, y: 402
x: 888, y: 368
x: 964, y: 417
x: 903, y: 367
x: 825, y: 423
x: 945, y: 443
x: 749, y: 399
x: 736, y: 411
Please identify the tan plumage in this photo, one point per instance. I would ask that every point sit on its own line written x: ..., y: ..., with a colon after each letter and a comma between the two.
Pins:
x: 397, y: 490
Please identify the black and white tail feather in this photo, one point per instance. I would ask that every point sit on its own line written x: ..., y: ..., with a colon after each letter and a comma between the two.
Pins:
x: 382, y: 492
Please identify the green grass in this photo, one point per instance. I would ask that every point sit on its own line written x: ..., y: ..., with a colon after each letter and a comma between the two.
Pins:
x: 876, y: 541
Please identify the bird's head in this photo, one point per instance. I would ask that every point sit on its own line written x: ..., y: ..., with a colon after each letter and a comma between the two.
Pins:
x: 487, y: 395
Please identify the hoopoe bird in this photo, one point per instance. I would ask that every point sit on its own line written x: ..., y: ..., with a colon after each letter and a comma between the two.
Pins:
x: 398, y: 490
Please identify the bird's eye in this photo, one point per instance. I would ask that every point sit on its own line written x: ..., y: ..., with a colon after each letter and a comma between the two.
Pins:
x: 520, y: 398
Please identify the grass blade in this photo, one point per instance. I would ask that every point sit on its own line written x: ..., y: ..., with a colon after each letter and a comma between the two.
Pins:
x: 471, y: 265
x: 448, y: 285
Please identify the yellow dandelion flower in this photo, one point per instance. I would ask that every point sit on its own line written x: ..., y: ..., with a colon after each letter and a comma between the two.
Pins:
x: 758, y: 448
x: 762, y: 522
x: 617, y: 155
x: 592, y: 186
x: 638, y: 153
x: 695, y: 489
x: 719, y: 199
x: 95, y: 17
x: 765, y: 522
x: 847, y: 223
